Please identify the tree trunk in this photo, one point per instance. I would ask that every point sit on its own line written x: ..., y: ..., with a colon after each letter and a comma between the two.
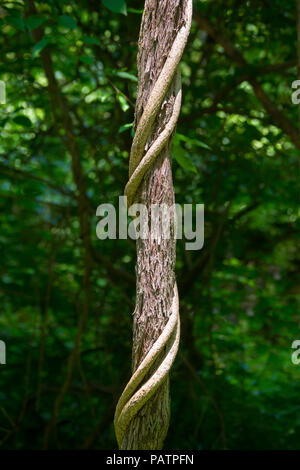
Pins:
x: 155, y: 257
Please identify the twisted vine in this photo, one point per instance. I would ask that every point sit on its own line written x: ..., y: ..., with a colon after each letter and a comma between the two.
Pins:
x: 134, y: 398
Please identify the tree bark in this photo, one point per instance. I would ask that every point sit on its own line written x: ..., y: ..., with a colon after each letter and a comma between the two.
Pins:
x: 155, y: 257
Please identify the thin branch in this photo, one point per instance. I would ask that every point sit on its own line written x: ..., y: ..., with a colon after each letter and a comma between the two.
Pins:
x: 14, y: 172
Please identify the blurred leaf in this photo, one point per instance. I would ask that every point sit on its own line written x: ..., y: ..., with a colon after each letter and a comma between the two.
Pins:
x: 127, y: 75
x: 134, y: 10
x: 93, y: 41
x: 22, y: 121
x: 182, y: 158
x: 199, y: 143
x: 37, y: 48
x: 125, y: 127
x: 117, y: 6
x: 123, y: 102
x: 34, y: 21
x: 87, y: 59
x: 16, y: 21
x: 67, y: 22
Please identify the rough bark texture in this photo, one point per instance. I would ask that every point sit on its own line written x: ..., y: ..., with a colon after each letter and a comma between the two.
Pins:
x: 155, y: 258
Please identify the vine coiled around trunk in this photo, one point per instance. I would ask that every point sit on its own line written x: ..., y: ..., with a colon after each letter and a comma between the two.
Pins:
x: 134, y: 398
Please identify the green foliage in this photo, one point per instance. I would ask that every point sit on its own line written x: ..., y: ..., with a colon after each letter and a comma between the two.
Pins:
x: 182, y: 158
x: 117, y: 6
x: 67, y: 22
x: 39, y: 46
x: 233, y: 384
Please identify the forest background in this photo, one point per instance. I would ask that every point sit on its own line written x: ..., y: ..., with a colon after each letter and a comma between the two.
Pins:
x: 67, y: 298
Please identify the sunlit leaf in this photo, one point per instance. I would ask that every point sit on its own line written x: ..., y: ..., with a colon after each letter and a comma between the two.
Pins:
x: 123, y: 102
x: 125, y: 127
x: 37, y: 48
x: 127, y: 75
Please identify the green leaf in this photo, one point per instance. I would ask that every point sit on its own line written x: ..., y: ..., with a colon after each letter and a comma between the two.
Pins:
x: 23, y: 121
x: 117, y: 6
x: 134, y: 10
x: 40, y: 46
x: 34, y: 22
x: 199, y: 143
x: 181, y: 157
x: 87, y: 59
x: 123, y: 102
x: 67, y: 22
x: 16, y: 21
x: 127, y: 75
x: 91, y: 41
x: 125, y: 127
